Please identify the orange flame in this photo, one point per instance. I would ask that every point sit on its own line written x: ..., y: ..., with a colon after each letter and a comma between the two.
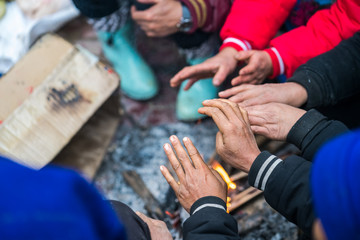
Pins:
x: 215, y: 165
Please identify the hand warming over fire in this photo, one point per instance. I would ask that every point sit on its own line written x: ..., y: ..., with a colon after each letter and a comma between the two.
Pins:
x: 274, y: 120
x: 235, y: 142
x: 195, y: 178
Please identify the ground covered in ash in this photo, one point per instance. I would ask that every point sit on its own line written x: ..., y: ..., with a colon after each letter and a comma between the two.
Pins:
x: 141, y: 150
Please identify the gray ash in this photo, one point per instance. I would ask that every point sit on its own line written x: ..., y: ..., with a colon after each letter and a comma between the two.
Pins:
x: 141, y: 150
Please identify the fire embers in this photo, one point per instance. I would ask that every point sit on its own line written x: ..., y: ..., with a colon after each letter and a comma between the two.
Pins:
x: 238, y: 194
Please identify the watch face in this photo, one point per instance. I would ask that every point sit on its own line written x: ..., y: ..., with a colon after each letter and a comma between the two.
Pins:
x: 185, y: 25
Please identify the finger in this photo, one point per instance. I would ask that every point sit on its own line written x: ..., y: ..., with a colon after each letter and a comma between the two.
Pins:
x: 253, y: 101
x: 181, y: 154
x: 245, y: 115
x: 260, y: 130
x: 176, y: 165
x: 220, y: 75
x: 244, y: 55
x: 234, y: 106
x: 250, y: 68
x: 146, y: 219
x: 219, y: 142
x: 198, y: 71
x: 225, y: 107
x: 136, y: 15
x: 231, y: 91
x: 190, y: 83
x: 169, y: 178
x: 193, y: 153
x: 217, y: 115
x: 217, y: 175
x: 243, y: 79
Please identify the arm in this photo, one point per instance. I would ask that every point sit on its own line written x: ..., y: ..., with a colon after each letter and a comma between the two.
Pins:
x: 208, y: 215
x: 241, y: 28
x: 207, y: 15
x: 286, y: 187
x: 332, y: 76
x: 324, y: 30
x: 201, y: 191
x: 307, y: 130
x: 312, y: 130
x: 96, y: 9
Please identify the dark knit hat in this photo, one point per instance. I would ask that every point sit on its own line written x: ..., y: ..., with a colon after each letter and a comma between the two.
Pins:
x: 335, y: 183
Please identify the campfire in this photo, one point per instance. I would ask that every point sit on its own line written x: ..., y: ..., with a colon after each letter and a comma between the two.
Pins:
x: 237, y: 196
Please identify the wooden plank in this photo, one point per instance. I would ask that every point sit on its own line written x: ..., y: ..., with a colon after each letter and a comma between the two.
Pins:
x: 87, y: 149
x: 245, y: 197
x: 238, y: 176
x: 57, y: 108
x: 152, y: 206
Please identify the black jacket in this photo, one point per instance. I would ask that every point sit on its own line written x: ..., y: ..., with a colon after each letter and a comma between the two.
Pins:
x: 332, y: 76
x: 286, y: 184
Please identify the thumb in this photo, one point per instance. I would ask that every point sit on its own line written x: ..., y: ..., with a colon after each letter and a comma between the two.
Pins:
x: 244, y: 55
x: 143, y: 217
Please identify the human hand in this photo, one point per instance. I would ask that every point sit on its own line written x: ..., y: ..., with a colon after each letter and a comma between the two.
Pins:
x: 249, y: 95
x: 219, y: 67
x: 274, y: 120
x: 160, y: 19
x: 235, y: 142
x: 196, y: 179
x: 258, y: 67
x: 158, y: 229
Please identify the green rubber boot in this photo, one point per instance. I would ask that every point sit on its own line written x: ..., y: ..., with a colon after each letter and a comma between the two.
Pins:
x: 2, y: 8
x: 188, y: 102
x: 137, y: 79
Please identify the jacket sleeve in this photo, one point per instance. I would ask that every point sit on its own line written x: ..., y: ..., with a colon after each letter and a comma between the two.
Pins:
x: 251, y: 24
x: 312, y: 130
x: 286, y: 187
x: 324, y: 30
x: 286, y: 182
x: 96, y: 8
x: 332, y: 76
x: 209, y: 221
x: 208, y: 15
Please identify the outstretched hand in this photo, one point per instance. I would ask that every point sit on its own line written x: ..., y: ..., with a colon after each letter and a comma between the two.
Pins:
x: 235, y: 142
x: 195, y: 178
x: 218, y: 67
x: 249, y: 95
x: 274, y: 120
x: 258, y: 67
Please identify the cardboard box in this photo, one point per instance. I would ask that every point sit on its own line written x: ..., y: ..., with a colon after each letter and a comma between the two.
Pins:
x: 46, y: 98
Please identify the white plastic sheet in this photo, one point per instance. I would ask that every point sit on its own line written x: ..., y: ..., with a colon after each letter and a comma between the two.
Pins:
x: 18, y: 32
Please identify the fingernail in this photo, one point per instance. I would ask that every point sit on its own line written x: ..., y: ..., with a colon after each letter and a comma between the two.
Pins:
x: 167, y: 146
x: 173, y: 138
x: 206, y: 101
x: 161, y: 168
x: 186, y: 139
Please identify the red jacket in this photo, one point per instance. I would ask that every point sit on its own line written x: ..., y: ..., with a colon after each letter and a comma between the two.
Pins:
x: 251, y: 24
x: 208, y: 15
x: 324, y: 30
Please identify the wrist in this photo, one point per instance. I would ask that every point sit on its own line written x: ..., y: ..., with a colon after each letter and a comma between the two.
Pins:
x: 209, y: 201
x: 297, y: 94
x: 277, y: 63
x: 249, y: 162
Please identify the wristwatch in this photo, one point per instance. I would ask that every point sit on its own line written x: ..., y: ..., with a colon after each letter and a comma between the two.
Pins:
x: 185, y: 24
